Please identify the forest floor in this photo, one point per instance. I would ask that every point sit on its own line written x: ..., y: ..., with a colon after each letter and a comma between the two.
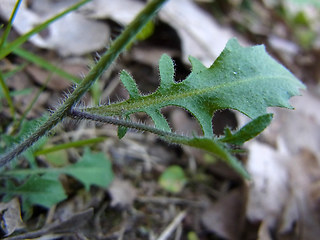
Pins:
x: 210, y: 201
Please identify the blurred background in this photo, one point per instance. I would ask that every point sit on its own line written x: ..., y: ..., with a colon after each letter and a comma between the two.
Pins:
x: 163, y: 191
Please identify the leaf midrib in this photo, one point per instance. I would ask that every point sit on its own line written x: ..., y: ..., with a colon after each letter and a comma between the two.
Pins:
x: 152, y: 99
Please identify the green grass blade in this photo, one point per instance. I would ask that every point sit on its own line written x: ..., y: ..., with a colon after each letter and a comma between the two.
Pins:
x: 96, y: 92
x: 16, y: 43
x: 8, y: 28
x: 45, y: 64
x: 30, y: 171
x: 6, y: 92
x: 14, y: 71
x: 80, y: 143
x: 22, y: 92
x: 17, y: 124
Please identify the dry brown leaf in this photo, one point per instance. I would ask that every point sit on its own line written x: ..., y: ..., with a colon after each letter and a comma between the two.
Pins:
x: 269, y: 188
x: 184, y: 124
x: 73, y: 34
x: 11, y: 216
x: 103, y: 9
x: 56, y: 82
x: 263, y: 232
x: 304, y: 180
x: 226, y: 217
x: 60, y: 228
x: 72, y: 224
x: 297, y: 129
x: 202, y: 37
x: 21, y: 81
x: 122, y: 193
x: 285, y: 178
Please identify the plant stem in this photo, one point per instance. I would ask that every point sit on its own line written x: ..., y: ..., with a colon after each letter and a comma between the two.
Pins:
x: 106, y: 60
x: 169, y: 136
x: 63, y: 146
x: 6, y: 93
x: 8, y: 28
x: 209, y: 144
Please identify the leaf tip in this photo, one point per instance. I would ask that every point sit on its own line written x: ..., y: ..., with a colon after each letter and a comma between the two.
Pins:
x: 166, y: 69
x: 122, y: 131
x: 197, y: 66
x: 129, y: 84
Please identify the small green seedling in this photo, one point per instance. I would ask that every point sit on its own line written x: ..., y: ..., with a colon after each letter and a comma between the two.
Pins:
x: 173, y: 179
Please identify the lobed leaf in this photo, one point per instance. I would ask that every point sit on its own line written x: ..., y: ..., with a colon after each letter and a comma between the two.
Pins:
x: 249, y: 131
x: 217, y: 148
x: 243, y: 79
x: 92, y: 169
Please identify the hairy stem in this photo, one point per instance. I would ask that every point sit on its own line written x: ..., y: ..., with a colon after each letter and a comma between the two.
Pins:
x: 106, y: 60
x: 207, y: 144
x: 169, y: 136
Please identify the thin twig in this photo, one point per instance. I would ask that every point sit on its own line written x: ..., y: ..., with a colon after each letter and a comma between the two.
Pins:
x: 65, y: 227
x: 172, y: 226
x: 170, y: 200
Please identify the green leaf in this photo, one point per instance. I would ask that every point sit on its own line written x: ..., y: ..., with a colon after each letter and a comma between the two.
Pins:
x: 122, y: 131
x: 39, y: 190
x: 244, y: 79
x: 63, y: 146
x: 218, y: 149
x: 91, y: 169
x: 249, y: 131
x: 146, y: 31
x: 46, y: 190
x: 192, y: 236
x: 27, y: 126
x: 173, y: 179
x: 57, y: 158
